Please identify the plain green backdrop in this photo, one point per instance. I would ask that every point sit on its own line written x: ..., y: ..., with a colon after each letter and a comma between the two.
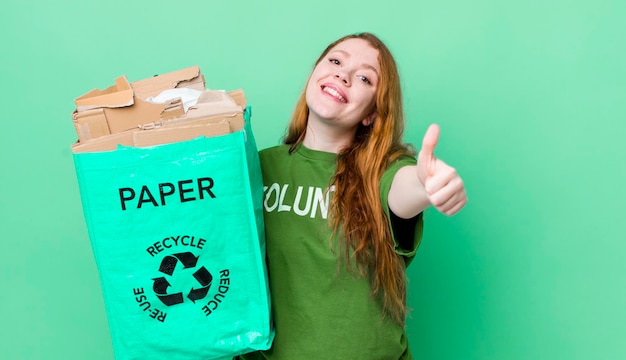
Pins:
x: 530, y: 97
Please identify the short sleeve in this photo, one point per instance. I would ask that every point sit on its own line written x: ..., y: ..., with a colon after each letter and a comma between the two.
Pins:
x: 410, y: 248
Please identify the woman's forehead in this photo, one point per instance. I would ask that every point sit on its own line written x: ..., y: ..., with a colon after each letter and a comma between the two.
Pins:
x: 358, y: 49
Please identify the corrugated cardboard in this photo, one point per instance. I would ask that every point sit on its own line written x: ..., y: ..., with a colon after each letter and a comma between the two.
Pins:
x: 123, y: 106
x: 105, y: 143
x: 161, y: 134
x: 91, y: 124
x: 165, y: 131
x: 118, y: 95
x: 235, y: 119
x: 166, y: 135
x: 212, y: 103
x: 215, y: 113
x: 185, y: 78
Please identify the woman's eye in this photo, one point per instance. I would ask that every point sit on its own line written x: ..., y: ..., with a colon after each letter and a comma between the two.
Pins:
x: 334, y: 61
x: 365, y: 80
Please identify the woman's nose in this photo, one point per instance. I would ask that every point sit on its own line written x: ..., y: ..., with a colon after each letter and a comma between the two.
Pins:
x: 343, y: 78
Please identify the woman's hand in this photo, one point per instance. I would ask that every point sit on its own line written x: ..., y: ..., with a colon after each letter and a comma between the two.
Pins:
x: 444, y: 187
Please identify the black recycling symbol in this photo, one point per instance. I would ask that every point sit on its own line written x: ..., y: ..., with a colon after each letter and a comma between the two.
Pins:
x: 168, y: 264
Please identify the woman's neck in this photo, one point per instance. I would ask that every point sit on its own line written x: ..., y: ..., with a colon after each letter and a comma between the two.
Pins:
x: 326, y: 138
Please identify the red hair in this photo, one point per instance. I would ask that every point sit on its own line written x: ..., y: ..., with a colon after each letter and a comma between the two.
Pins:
x: 355, y: 207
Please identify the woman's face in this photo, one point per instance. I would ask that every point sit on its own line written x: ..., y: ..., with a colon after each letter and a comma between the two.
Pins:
x: 342, y: 88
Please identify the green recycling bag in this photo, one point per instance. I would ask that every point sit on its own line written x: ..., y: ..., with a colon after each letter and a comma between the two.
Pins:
x: 177, y: 234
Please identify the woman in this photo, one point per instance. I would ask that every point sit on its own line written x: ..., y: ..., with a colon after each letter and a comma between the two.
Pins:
x: 343, y: 210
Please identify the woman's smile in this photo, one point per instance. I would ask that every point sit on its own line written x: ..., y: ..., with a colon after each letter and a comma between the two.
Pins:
x: 335, y: 93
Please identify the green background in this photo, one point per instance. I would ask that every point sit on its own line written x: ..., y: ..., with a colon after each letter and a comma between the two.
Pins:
x: 530, y: 97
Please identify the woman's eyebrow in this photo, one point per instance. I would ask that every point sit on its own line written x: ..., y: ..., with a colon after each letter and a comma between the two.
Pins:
x: 341, y: 51
x: 371, y: 68
x: 347, y: 54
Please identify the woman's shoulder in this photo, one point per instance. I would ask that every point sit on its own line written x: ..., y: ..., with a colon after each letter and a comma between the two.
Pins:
x: 400, y: 161
x: 274, y: 151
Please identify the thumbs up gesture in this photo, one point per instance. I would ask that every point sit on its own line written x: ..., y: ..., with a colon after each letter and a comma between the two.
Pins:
x: 444, y: 187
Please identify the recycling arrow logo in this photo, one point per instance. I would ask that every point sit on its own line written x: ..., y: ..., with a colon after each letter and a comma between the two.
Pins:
x: 168, y: 266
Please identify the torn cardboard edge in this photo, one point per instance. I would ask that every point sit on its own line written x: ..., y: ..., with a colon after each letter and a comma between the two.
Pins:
x: 185, y: 78
x: 118, y: 95
x: 122, y: 115
x: 165, y: 133
x: 123, y: 106
x: 179, y: 133
x: 121, y: 94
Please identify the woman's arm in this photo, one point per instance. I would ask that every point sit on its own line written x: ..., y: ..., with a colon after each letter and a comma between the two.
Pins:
x: 430, y: 182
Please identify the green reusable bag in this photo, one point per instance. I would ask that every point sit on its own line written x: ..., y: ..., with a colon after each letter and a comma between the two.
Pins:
x: 177, y: 234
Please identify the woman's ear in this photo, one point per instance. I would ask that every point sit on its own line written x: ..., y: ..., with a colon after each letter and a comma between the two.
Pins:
x: 369, y: 120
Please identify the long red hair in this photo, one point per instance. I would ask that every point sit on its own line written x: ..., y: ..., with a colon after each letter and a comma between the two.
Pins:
x: 355, y: 207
